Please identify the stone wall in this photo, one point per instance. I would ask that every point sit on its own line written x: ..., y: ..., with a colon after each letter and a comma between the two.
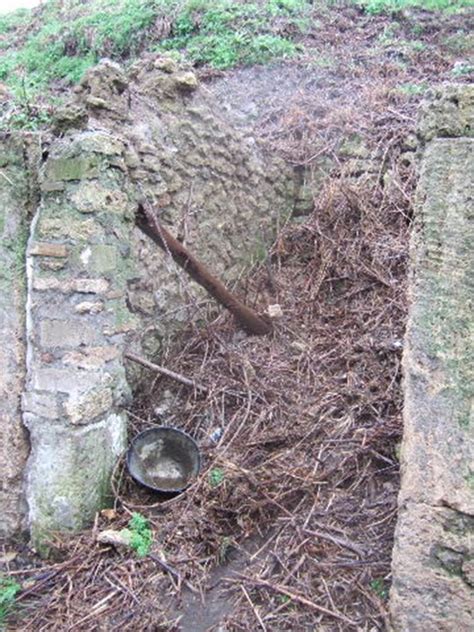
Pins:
x: 95, y: 285
x: 433, y: 558
x: 78, y: 266
x: 16, y: 200
x: 212, y: 184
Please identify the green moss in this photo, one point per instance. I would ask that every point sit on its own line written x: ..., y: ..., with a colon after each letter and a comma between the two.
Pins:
x: 76, y: 168
x: 141, y: 535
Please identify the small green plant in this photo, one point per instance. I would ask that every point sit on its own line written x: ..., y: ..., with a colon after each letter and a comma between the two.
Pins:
x: 141, y: 534
x: 8, y: 591
x: 216, y: 476
x: 379, y: 587
x: 462, y: 68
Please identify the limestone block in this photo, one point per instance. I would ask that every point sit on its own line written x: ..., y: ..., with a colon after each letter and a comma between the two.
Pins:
x: 432, y: 588
x: 434, y: 543
x: 67, y: 333
x: 89, y: 307
x: 63, y: 380
x: 41, y: 404
x: 91, y: 357
x: 82, y: 408
x: 449, y: 112
x: 98, y: 258
x: 48, y: 250
x: 76, y: 386
x: 69, y: 472
x: 91, y: 197
x: 15, y: 202
x: 82, y: 286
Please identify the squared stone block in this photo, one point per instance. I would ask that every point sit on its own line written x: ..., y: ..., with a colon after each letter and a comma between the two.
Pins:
x: 67, y: 333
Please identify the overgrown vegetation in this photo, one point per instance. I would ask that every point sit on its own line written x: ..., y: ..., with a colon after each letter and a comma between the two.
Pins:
x: 60, y: 40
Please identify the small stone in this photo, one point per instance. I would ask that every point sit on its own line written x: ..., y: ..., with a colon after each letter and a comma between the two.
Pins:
x: 45, y: 249
x: 97, y: 102
x: 89, y: 286
x: 121, y: 329
x: 108, y: 514
x: 166, y: 64
x: 82, y: 286
x: 88, y: 307
x: 275, y: 311
x: 52, y: 264
x: 42, y: 284
x: 70, y: 116
x: 86, y: 407
x: 91, y: 357
x: 186, y: 81
x: 116, y: 538
x: 114, y: 294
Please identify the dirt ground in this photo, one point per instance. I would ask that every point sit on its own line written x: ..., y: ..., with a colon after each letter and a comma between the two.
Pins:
x: 290, y: 525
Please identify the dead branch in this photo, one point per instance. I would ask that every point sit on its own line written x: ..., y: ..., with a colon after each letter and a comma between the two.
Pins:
x: 248, y: 319
x: 160, y: 369
x: 262, y: 583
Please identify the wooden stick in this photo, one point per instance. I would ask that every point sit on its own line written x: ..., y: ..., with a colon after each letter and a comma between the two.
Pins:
x: 161, y: 369
x: 248, y: 319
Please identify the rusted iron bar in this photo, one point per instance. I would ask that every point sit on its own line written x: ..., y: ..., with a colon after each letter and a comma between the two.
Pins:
x: 247, y: 318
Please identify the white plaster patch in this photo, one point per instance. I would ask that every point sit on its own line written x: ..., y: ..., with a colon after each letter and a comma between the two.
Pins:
x: 86, y: 255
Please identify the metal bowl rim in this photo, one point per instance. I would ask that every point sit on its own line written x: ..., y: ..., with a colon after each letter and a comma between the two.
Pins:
x: 154, y: 429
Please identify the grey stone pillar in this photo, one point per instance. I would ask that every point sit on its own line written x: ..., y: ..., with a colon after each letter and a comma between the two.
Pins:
x: 78, y: 265
x: 433, y: 558
x: 15, y: 201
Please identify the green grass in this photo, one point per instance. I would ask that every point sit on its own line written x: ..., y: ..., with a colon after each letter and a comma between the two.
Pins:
x: 224, y: 34
x: 8, y: 591
x: 63, y: 39
x: 13, y: 20
x: 44, y: 52
x: 62, y: 43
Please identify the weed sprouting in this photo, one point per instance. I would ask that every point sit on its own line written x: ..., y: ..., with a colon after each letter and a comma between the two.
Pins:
x: 8, y: 591
x: 216, y: 476
x: 141, y: 535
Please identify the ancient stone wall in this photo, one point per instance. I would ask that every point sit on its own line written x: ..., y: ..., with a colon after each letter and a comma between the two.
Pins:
x: 17, y: 158
x: 433, y: 558
x: 78, y: 265
x: 212, y: 185
x: 90, y: 285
